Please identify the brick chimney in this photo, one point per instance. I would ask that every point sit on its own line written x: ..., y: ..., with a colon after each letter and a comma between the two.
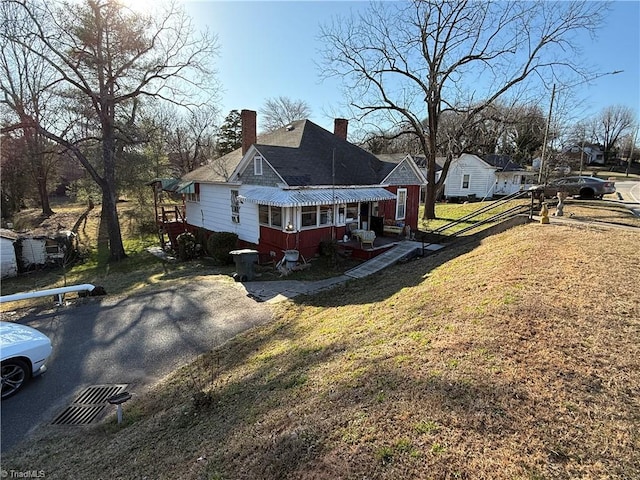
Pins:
x: 249, y: 129
x: 340, y: 127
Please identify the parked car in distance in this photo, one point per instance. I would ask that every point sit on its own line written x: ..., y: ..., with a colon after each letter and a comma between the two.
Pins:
x: 585, y: 187
x: 23, y: 353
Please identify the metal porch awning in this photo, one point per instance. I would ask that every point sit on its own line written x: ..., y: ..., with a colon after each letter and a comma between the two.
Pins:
x: 314, y: 196
x: 174, y: 185
x: 185, y: 187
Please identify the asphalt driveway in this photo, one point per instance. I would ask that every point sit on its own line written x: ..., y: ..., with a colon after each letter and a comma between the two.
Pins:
x: 135, y: 340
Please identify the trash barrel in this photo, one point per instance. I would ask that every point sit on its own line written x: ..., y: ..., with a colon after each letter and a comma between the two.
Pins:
x: 291, y: 258
x: 245, y: 261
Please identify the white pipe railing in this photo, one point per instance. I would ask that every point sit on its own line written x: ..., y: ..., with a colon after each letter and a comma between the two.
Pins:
x: 85, y: 287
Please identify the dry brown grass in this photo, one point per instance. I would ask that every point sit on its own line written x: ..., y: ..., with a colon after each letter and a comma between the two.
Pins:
x: 514, y: 358
x: 600, y: 212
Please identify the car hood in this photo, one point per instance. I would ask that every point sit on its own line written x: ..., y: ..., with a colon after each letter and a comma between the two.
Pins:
x: 15, y: 337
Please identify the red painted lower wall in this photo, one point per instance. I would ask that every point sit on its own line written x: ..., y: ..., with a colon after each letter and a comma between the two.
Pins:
x: 274, y: 241
x: 307, y: 242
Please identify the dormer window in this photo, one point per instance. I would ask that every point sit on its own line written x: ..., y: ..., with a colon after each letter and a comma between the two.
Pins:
x: 257, y: 165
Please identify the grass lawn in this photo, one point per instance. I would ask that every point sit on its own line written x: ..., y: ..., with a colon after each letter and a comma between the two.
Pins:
x: 599, y: 212
x: 516, y: 357
x: 140, y: 270
x: 450, y: 212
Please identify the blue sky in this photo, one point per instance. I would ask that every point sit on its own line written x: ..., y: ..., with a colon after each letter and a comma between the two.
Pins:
x: 270, y: 49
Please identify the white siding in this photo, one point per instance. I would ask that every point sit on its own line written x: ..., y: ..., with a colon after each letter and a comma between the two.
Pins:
x: 8, y: 264
x: 481, y: 177
x: 213, y: 212
x: 33, y: 251
x: 511, y: 182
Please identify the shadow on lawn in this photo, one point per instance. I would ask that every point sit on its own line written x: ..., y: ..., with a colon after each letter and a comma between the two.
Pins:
x: 273, y: 423
x: 391, y: 280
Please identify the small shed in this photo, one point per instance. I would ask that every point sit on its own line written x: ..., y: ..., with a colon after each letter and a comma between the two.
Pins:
x: 8, y: 261
x: 40, y: 250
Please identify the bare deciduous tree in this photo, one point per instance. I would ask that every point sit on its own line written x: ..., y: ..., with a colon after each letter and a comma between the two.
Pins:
x: 191, y: 139
x: 109, y: 60
x: 24, y: 78
x: 610, y: 125
x: 405, y: 62
x: 281, y: 111
x: 14, y: 184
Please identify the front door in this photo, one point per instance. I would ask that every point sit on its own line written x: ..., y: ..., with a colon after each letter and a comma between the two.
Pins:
x: 364, y: 215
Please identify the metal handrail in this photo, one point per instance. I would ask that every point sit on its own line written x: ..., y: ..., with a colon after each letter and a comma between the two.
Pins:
x: 518, y: 209
x: 486, y: 208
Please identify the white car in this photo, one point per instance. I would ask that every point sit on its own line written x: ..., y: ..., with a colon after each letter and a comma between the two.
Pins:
x: 23, y: 352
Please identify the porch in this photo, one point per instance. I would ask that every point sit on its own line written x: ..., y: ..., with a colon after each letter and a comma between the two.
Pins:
x: 354, y: 248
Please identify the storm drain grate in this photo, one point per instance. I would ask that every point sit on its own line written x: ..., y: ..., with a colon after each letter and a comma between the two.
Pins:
x: 89, y: 405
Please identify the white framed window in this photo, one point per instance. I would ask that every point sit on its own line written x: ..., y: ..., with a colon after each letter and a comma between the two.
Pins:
x: 195, y: 195
x: 235, y: 207
x: 466, y: 178
x: 263, y: 214
x: 257, y: 165
x: 276, y: 216
x: 326, y: 214
x: 309, y: 216
x: 352, y: 211
x: 270, y: 215
x: 341, y: 214
x: 401, y: 203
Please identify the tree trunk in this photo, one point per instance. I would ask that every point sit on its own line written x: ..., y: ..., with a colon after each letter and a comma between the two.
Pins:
x: 433, y: 100
x: 110, y: 216
x: 44, y: 195
x: 431, y: 190
x: 110, y: 194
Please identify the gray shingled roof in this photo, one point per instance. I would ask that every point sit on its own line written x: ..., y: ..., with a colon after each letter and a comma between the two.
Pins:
x: 502, y: 162
x: 305, y: 154
x: 10, y: 234
x: 420, y: 160
x: 218, y: 170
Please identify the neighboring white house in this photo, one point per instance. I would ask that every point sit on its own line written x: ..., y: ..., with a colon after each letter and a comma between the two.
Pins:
x: 510, y: 177
x: 8, y: 262
x: 470, y: 176
x: 585, y: 155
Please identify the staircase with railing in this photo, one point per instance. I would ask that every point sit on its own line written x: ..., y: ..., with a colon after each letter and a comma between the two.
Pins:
x: 171, y: 220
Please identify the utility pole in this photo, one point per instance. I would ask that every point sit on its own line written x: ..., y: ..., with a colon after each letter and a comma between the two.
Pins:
x: 633, y: 144
x: 582, y: 151
x: 546, y: 134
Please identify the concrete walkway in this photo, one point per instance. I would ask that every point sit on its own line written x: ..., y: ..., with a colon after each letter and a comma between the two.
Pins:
x: 279, y: 290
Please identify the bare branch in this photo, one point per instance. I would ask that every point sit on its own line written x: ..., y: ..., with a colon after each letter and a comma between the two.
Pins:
x: 415, y: 61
